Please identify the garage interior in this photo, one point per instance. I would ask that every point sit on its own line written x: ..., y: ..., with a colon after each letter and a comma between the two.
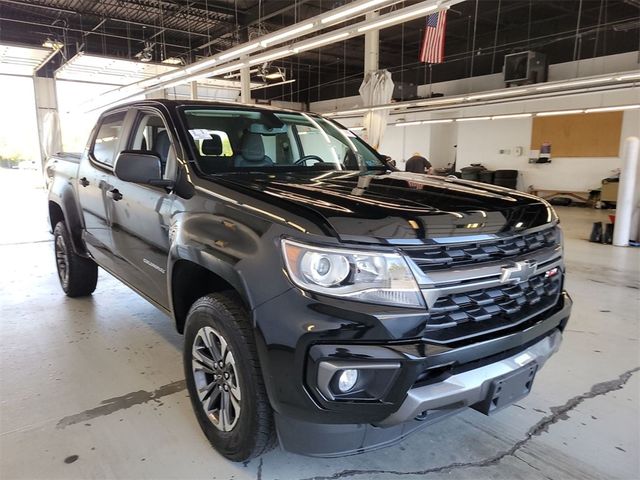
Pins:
x: 94, y: 387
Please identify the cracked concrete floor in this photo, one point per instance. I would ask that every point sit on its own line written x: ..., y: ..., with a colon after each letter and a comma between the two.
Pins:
x: 93, y: 388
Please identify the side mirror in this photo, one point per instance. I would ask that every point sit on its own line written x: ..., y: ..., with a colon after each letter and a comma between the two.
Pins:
x: 138, y: 167
x: 389, y: 161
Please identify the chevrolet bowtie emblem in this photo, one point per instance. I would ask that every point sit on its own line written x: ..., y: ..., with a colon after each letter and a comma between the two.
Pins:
x: 520, y: 272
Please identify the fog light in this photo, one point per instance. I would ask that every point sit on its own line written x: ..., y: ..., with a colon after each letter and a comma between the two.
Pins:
x: 347, y: 380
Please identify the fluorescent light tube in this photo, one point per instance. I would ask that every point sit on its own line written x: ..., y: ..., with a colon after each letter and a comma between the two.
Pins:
x: 266, y: 58
x: 611, y: 109
x: 629, y: 76
x: 447, y: 120
x: 170, y: 76
x: 559, y: 112
x: 398, y: 18
x: 287, y: 34
x: 353, y: 10
x: 511, y: 115
x: 472, y: 119
x: 506, y: 91
x: 437, y: 101
x: 355, y: 129
x: 357, y: 110
x: 574, y: 84
x: 319, y: 43
x: 221, y: 71
x: 150, y: 82
x: 407, y: 124
x: 200, y: 66
x: 274, y: 84
x: 239, y: 51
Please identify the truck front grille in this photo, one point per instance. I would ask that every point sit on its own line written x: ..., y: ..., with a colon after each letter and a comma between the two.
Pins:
x: 505, y: 305
x: 466, y: 293
x: 434, y: 257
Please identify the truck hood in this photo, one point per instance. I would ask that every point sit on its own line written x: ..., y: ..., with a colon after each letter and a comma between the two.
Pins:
x: 398, y: 206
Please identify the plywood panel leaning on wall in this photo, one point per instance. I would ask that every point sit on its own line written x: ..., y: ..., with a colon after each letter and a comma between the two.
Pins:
x: 579, y: 135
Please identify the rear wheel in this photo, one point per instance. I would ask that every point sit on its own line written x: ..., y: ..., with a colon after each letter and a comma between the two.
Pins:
x: 78, y: 275
x: 224, y: 379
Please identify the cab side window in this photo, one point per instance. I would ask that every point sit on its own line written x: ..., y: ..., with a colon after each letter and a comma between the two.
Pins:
x: 106, y: 141
x: 150, y: 134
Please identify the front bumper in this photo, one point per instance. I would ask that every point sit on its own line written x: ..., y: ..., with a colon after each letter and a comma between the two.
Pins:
x: 480, y: 365
x: 471, y: 387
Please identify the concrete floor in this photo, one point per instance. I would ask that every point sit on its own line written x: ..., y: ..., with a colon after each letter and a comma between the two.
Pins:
x: 93, y: 388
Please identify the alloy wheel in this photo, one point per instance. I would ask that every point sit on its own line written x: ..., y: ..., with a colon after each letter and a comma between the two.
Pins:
x: 62, y: 259
x: 216, y: 379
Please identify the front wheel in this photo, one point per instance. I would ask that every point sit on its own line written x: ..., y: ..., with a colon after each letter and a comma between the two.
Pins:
x: 224, y: 378
x: 78, y: 275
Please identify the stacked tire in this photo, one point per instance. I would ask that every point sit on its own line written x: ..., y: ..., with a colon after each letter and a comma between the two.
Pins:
x: 472, y: 173
x: 506, y: 178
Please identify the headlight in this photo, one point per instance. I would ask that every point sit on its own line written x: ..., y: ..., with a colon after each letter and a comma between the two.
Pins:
x: 359, y: 275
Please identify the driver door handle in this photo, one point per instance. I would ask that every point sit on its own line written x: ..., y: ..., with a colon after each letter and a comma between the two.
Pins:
x: 114, y: 194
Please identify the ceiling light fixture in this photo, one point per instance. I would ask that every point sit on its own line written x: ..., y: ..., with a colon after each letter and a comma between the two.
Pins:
x: 472, y: 119
x: 407, y: 124
x: 398, y: 18
x: 169, y: 76
x: 611, y: 109
x: 287, y: 34
x: 511, y: 115
x: 200, y: 66
x: 444, y: 120
x: 53, y: 44
x: 172, y: 61
x: 239, y: 51
x: 319, y: 43
x: 559, y: 112
x: 577, y: 83
x: 351, y: 11
x: 271, y: 56
x: 274, y: 84
x: 501, y: 93
x: 630, y: 76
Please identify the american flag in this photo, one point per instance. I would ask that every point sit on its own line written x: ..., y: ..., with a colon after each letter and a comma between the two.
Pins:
x: 432, y: 50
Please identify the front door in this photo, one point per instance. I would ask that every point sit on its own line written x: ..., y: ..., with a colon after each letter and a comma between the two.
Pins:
x: 140, y: 215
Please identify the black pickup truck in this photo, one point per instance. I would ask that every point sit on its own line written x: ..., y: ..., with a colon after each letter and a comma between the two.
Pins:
x: 324, y: 296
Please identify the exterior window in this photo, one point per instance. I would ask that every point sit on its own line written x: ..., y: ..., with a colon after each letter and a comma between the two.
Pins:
x: 106, y: 142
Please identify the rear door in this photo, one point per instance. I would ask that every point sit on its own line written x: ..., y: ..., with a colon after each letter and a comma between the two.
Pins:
x: 93, y: 187
x: 141, y: 213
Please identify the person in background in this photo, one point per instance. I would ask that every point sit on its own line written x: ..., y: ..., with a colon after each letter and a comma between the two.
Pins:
x: 418, y: 164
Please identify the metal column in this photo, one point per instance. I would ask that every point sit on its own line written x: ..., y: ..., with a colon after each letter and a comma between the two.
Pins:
x: 371, y: 47
x: 47, y: 118
x: 245, y: 84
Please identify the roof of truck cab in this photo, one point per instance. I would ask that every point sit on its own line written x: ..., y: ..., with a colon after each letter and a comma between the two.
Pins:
x: 172, y: 104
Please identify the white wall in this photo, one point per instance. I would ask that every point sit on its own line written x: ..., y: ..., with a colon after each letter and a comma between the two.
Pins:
x: 480, y: 142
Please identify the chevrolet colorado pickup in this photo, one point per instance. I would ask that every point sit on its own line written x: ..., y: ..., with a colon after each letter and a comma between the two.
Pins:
x: 327, y: 300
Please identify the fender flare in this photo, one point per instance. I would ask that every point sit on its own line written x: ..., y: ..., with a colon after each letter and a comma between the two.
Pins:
x: 65, y: 198
x: 208, y: 260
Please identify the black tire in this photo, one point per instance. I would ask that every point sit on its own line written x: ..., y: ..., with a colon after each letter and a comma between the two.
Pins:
x: 486, y: 176
x: 78, y: 275
x: 253, y: 432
